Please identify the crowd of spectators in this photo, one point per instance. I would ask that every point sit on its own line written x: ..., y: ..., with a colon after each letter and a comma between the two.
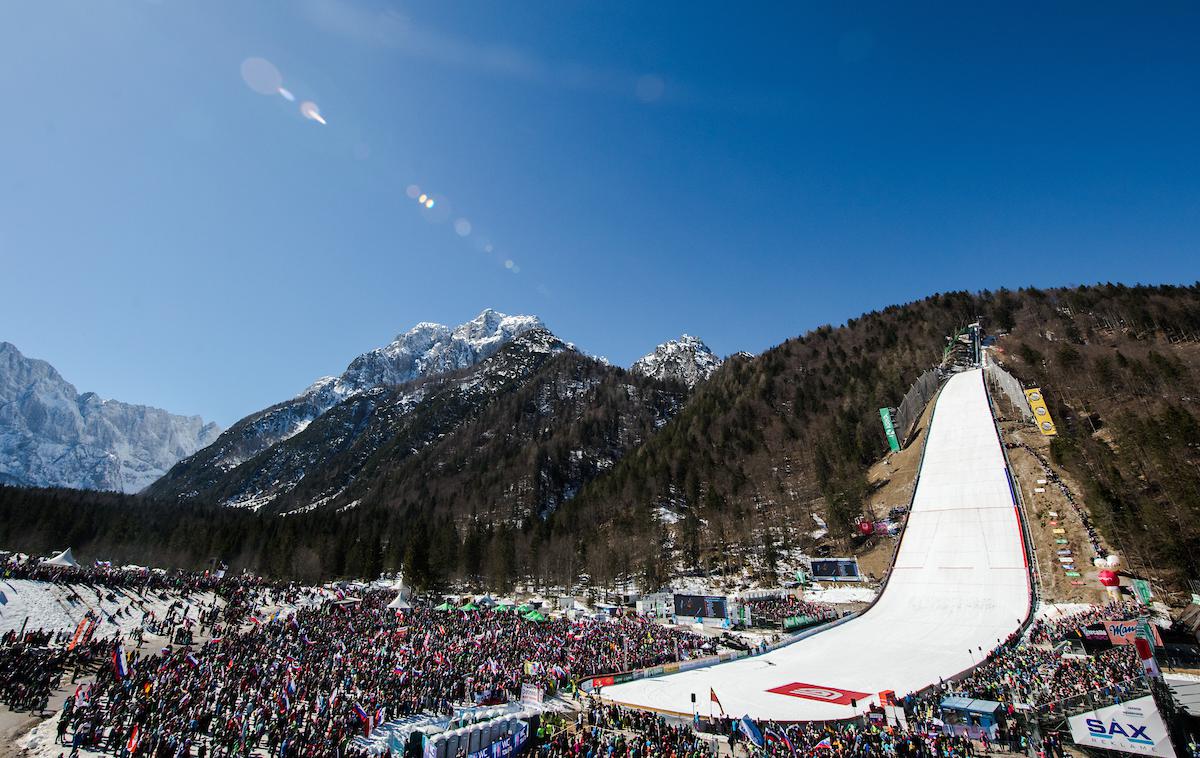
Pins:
x: 1042, y: 677
x: 1049, y: 631
x: 323, y: 669
x: 774, y: 610
x: 308, y: 680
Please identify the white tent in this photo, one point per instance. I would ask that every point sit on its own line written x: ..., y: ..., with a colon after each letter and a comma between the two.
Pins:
x: 62, y: 559
x: 400, y: 603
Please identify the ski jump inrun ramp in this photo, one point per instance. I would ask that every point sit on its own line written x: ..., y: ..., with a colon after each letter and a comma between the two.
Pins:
x: 960, y: 583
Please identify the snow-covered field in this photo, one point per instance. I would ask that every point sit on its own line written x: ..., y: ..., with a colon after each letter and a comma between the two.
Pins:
x: 54, y: 607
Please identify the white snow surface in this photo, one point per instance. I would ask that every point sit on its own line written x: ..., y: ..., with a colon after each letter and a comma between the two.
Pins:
x: 686, y: 360
x: 960, y: 583
x: 52, y: 436
x: 54, y: 607
x: 839, y: 593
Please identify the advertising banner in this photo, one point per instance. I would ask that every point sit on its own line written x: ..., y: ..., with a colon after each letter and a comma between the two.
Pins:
x: 1141, y: 588
x: 889, y: 429
x: 1041, y: 414
x: 817, y: 692
x: 1133, y: 727
x: 1125, y: 632
x: 531, y: 694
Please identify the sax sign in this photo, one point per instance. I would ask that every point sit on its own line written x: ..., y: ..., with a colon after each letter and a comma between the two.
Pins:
x: 1133, y: 727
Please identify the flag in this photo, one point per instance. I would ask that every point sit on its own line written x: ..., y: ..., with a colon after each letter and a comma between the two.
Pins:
x: 778, y: 737
x: 824, y: 744
x: 712, y: 695
x: 132, y: 744
x: 192, y: 660
x: 120, y: 662
x: 285, y: 703
x: 747, y: 727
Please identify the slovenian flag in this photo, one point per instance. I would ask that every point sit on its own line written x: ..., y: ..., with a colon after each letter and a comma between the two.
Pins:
x: 751, y: 730
x: 824, y: 744
x: 120, y: 663
x: 192, y: 660
x: 285, y: 704
x: 360, y: 712
x: 291, y: 687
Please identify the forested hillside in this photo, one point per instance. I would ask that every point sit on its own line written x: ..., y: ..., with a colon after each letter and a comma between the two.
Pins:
x: 1120, y: 369
x: 572, y: 468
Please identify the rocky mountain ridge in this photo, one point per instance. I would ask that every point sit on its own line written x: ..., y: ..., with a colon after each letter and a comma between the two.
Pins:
x: 53, y: 436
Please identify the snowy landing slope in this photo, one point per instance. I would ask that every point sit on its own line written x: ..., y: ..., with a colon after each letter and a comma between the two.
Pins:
x: 960, y: 583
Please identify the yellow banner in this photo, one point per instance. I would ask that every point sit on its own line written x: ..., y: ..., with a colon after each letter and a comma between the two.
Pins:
x: 1041, y: 413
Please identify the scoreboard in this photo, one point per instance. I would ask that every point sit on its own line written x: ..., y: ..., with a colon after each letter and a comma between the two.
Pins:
x: 705, y: 606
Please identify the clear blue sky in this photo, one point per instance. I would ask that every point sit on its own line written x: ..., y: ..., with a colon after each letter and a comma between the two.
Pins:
x: 170, y: 236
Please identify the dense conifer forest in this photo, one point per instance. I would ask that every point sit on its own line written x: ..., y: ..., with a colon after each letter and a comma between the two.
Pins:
x: 577, y: 469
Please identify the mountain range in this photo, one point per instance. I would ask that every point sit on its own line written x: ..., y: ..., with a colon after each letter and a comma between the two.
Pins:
x: 519, y: 459
x: 96, y: 444
x: 53, y: 436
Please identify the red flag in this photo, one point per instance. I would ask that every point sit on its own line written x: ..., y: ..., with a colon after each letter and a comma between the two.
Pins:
x: 712, y: 695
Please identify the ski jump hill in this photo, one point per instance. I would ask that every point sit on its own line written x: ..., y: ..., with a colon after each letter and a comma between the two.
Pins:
x: 960, y: 585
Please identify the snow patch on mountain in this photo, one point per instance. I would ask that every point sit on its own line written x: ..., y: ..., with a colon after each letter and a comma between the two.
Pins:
x: 686, y: 360
x: 52, y: 436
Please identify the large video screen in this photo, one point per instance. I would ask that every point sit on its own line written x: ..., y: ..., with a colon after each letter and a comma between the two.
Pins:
x: 706, y: 606
x: 836, y: 569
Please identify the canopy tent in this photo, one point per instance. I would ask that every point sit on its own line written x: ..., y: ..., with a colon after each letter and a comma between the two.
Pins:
x: 504, y: 608
x: 485, y: 601
x: 400, y: 603
x: 402, y: 590
x: 522, y: 608
x: 535, y: 616
x: 443, y: 607
x: 62, y: 559
x: 469, y: 607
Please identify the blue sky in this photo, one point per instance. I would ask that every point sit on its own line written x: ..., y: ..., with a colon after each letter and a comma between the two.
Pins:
x: 170, y: 236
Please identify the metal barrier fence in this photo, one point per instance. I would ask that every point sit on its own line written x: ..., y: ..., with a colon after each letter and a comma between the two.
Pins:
x: 1010, y: 386
x: 914, y: 402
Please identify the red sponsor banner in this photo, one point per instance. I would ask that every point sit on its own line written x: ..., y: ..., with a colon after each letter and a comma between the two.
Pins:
x: 819, y: 693
x: 602, y: 681
x: 1124, y: 632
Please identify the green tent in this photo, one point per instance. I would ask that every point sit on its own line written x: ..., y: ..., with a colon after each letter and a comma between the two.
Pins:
x: 443, y: 607
x: 535, y: 616
x: 522, y: 608
x: 469, y: 607
x: 504, y: 608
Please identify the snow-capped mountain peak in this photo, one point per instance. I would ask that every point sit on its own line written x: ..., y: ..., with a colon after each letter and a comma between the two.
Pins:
x: 52, y: 436
x: 425, y: 350
x: 686, y: 360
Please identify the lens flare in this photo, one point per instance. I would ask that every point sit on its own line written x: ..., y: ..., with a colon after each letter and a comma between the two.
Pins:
x: 261, y: 76
x: 412, y: 191
x: 310, y: 111
x: 287, y: 95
